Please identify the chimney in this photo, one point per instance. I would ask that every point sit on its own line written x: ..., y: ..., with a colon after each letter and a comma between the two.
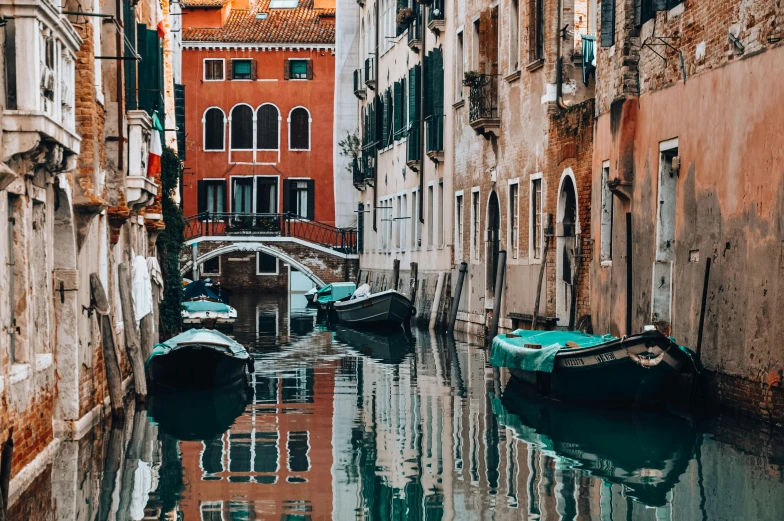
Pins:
x: 324, y: 4
x: 240, y: 4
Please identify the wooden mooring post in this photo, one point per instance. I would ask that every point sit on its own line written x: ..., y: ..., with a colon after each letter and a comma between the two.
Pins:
x: 395, y: 274
x: 100, y: 305
x: 132, y: 345
x: 6, y: 455
x: 456, y: 300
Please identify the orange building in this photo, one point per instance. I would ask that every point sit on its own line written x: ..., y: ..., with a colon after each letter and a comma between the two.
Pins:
x: 259, y: 89
x: 275, y: 462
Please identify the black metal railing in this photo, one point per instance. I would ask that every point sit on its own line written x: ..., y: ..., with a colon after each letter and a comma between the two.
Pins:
x: 368, y: 166
x: 359, y: 85
x: 356, y: 171
x: 211, y: 224
x: 436, y: 11
x: 370, y: 71
x: 434, y: 126
x: 413, y: 144
x: 482, y: 98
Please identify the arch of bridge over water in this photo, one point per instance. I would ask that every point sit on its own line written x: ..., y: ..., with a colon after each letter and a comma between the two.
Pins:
x: 322, y: 253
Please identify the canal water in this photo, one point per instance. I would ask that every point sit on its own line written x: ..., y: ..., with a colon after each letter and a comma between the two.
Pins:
x: 340, y: 424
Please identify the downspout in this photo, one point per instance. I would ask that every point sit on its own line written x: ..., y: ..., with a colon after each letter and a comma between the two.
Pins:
x: 423, y: 144
x: 119, y: 87
x: 375, y: 149
x: 559, y: 62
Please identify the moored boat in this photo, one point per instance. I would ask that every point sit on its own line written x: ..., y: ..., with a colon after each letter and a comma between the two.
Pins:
x: 198, y: 358
x: 208, y: 312
x: 310, y: 296
x: 385, y: 309
x: 389, y: 346
x: 599, y: 370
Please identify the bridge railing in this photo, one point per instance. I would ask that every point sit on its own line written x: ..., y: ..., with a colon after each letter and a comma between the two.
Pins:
x: 210, y: 224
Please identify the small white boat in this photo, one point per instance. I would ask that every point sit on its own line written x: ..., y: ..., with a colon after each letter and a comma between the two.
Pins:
x: 384, y: 309
x: 208, y: 312
x: 310, y: 296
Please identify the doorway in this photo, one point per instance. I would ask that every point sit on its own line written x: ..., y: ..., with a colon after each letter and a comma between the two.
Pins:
x: 492, y: 246
x: 567, y: 230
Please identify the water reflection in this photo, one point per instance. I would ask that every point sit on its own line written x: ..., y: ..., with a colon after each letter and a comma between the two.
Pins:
x: 338, y: 424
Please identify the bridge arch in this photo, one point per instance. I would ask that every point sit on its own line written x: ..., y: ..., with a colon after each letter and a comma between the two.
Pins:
x: 253, y: 247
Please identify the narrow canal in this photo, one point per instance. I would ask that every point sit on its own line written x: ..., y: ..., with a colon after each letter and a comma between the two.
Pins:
x: 339, y: 424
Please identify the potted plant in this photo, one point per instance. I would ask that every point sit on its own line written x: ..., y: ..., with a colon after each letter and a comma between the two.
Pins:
x: 405, y: 16
x: 471, y: 78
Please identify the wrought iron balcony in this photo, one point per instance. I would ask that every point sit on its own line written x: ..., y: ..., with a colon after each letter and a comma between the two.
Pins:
x: 359, y: 85
x: 434, y: 126
x: 435, y: 16
x: 413, y: 146
x: 368, y: 165
x: 483, y: 105
x: 370, y: 73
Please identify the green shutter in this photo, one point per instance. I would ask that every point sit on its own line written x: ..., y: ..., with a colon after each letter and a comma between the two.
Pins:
x: 398, y: 108
x: 385, y: 121
x: 129, y: 66
x: 438, y: 83
x: 413, y: 94
x: 403, y: 107
x: 428, y: 62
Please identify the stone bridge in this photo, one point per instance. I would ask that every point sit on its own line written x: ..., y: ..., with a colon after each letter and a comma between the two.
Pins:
x: 322, y: 253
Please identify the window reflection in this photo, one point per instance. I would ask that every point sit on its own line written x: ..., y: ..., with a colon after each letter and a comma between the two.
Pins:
x: 212, y: 458
x: 298, y: 386
x: 239, y: 452
x: 266, y: 452
x: 298, y: 447
x: 211, y: 511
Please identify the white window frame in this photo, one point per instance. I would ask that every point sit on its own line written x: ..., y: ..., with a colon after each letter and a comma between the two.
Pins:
x: 267, y: 274
x: 430, y: 211
x: 441, y: 212
x: 458, y: 231
x: 306, y: 60
x: 531, y: 179
x: 310, y: 130
x: 307, y: 452
x: 252, y: 192
x: 225, y: 188
x: 255, y: 129
x: 278, y: 188
x: 403, y: 217
x: 512, y: 239
x: 253, y: 126
x: 475, y: 242
x: 460, y: 58
x: 204, y: 131
x: 204, y: 69
x: 241, y: 60
x: 415, y: 229
x: 296, y: 216
x: 210, y: 273
x: 514, y: 67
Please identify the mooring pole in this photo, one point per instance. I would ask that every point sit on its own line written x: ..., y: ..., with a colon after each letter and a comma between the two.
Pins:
x: 436, y: 301
x: 499, y: 286
x: 195, y: 252
x: 395, y: 273
x: 456, y: 300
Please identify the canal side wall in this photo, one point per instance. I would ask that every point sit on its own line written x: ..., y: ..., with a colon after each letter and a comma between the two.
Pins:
x: 720, y: 200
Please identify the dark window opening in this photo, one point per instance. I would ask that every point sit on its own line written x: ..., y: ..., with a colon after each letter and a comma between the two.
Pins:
x: 267, y: 128
x: 211, y: 267
x: 214, y: 125
x: 299, y: 129
x: 241, y: 70
x: 213, y: 70
x: 299, y: 69
x: 212, y: 195
x: 298, y: 451
x: 242, y: 128
x: 242, y: 192
x: 536, y: 30
x: 266, y: 264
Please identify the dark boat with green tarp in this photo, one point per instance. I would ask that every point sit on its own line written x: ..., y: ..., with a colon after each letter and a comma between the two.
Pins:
x: 644, y: 452
x: 198, y: 358
x: 593, y: 369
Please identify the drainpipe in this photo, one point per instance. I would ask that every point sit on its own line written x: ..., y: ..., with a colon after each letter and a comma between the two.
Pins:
x: 559, y: 62
x: 119, y: 87
x: 423, y: 144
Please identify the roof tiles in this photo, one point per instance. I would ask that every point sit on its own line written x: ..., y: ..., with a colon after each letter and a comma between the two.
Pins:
x: 305, y: 24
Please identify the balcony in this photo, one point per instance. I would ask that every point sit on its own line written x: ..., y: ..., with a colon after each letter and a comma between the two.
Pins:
x: 413, y: 147
x: 368, y: 167
x: 359, y: 85
x: 435, y: 16
x: 434, y: 127
x: 140, y: 188
x: 357, y: 174
x: 370, y: 73
x: 415, y: 28
x: 483, y: 105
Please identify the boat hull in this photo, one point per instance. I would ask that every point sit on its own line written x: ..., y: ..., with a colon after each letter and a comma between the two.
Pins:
x: 385, y: 309
x: 196, y: 367
x: 616, y: 374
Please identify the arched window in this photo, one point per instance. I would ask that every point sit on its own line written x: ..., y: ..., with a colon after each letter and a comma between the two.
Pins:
x: 299, y: 129
x: 242, y: 128
x: 267, y: 127
x: 214, y: 126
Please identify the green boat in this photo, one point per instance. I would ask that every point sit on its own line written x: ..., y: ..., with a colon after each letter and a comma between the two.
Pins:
x: 592, y: 369
x: 331, y: 293
x: 644, y: 452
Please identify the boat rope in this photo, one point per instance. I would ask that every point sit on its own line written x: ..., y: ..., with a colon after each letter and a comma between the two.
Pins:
x: 646, y: 362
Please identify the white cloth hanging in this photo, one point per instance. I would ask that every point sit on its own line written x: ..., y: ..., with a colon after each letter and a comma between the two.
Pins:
x: 141, y: 289
x: 156, y: 275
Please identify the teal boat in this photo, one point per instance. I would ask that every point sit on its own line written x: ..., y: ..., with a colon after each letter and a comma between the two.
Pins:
x: 644, y: 452
x: 331, y: 293
x: 207, y: 312
x: 592, y: 369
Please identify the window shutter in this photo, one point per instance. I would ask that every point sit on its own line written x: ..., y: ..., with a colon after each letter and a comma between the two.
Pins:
x: 379, y: 120
x: 286, y: 70
x: 201, y: 188
x: 253, y: 70
x: 484, y: 33
x: 231, y: 69
x: 403, y: 105
x: 310, y: 69
x: 385, y: 121
x: 398, y: 109
x: 179, y: 118
x: 413, y: 94
x: 286, y: 195
x: 659, y: 5
x: 437, y: 86
x: 608, y: 23
x: 311, y: 184
x: 428, y: 65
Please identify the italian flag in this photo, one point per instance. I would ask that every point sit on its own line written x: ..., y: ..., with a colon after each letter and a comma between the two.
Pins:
x: 156, y: 149
x: 159, y: 19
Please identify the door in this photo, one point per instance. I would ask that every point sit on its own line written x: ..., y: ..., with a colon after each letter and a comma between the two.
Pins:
x: 566, y: 243
x: 493, y: 244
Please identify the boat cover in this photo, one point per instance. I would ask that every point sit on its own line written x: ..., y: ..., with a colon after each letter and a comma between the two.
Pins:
x: 199, y: 336
x: 336, y: 291
x: 196, y: 306
x: 199, y: 288
x: 511, y: 351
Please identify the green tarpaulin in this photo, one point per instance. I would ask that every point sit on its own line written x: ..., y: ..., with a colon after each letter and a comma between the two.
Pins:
x: 199, y: 336
x: 510, y: 351
x: 206, y: 305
